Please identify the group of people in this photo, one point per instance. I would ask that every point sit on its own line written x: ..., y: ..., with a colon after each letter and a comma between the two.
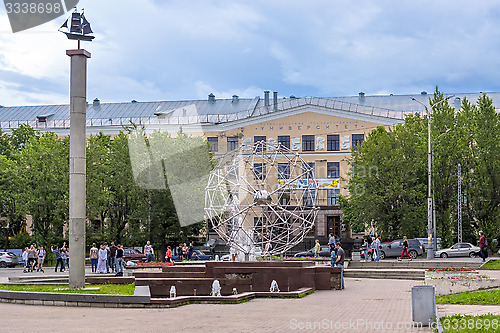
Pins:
x: 62, y: 257
x: 185, y: 252
x: 374, y: 246
x: 106, y: 258
x: 33, y: 257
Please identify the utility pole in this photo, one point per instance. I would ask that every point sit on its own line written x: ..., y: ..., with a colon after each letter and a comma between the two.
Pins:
x: 459, y: 203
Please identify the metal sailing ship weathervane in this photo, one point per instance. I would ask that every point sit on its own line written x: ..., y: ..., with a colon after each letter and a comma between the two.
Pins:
x: 77, y: 27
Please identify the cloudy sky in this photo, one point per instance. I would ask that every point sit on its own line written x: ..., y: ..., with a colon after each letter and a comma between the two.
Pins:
x: 171, y: 50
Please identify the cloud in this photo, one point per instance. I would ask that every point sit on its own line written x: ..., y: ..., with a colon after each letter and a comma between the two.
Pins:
x: 159, y: 50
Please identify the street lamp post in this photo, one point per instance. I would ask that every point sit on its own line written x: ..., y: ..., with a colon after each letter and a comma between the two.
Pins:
x: 431, y: 227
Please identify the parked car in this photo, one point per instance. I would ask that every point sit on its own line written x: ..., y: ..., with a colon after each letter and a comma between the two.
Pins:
x: 459, y: 250
x: 425, y: 242
x: 324, y: 252
x: 394, y: 249
x: 8, y: 259
x: 130, y: 254
x: 197, y: 256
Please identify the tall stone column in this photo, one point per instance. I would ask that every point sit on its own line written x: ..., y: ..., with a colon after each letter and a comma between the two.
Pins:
x: 77, y: 167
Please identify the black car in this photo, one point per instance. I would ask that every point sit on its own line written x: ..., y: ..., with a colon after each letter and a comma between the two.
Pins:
x: 324, y: 252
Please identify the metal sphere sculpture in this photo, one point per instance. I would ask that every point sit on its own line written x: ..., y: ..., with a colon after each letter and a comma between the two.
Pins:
x: 261, y: 195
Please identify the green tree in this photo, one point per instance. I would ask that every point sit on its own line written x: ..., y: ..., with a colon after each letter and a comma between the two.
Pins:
x: 99, y: 194
x: 44, y: 172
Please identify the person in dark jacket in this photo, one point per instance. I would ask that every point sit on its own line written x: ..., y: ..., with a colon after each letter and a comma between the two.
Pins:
x: 57, y: 253
x: 405, y: 249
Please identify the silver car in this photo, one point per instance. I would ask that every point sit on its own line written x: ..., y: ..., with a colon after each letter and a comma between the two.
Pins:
x: 459, y: 250
x: 8, y: 259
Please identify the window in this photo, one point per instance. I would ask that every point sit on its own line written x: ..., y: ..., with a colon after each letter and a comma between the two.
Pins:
x: 332, y: 170
x: 214, y: 144
x: 232, y: 143
x: 308, y: 197
x: 284, y: 198
x: 357, y: 140
x: 333, y: 142
x: 307, y: 142
x: 259, y: 171
x: 283, y: 171
x: 332, y: 197
x: 308, y: 169
x: 259, y: 138
x: 284, y: 141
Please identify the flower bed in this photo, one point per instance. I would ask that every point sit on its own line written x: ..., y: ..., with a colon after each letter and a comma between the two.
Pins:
x: 154, y: 264
x: 454, y: 280
x: 450, y: 269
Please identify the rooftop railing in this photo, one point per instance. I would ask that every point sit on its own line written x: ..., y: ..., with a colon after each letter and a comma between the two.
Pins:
x: 283, y: 105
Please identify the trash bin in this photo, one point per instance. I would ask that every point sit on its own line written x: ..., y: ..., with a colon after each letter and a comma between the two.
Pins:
x: 423, y: 302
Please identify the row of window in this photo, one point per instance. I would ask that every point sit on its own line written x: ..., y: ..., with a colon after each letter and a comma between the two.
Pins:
x: 308, y: 198
x: 308, y: 142
x: 332, y: 170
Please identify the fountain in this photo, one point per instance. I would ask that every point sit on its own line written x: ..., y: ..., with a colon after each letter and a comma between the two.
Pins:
x: 216, y: 288
x: 274, y: 287
x: 173, y: 292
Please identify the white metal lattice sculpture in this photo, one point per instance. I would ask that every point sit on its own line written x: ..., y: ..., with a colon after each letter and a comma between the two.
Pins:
x: 261, y: 196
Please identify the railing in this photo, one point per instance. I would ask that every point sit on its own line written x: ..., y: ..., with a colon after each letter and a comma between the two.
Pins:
x: 288, y: 104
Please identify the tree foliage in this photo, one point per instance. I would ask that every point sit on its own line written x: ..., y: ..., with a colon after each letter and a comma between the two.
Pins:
x: 34, y: 178
x: 388, y: 187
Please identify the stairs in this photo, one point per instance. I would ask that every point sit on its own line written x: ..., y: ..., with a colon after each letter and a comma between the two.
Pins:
x: 400, y: 270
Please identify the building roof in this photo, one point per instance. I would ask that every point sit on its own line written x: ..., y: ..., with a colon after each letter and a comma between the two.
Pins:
x: 215, y: 111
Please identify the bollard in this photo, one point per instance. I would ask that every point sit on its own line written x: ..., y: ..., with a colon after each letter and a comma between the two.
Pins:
x: 423, y: 302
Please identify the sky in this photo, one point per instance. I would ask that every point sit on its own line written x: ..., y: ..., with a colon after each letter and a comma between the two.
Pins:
x: 154, y: 50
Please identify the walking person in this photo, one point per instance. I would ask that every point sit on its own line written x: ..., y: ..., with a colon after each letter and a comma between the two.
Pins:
x: 331, y: 242
x: 112, y: 255
x: 94, y: 255
x: 31, y: 258
x: 340, y: 261
x: 377, y: 248
x: 372, y: 246
x: 64, y: 256
x: 185, y: 251
x: 317, y: 249
x: 405, y: 248
x: 168, y: 255
x: 106, y: 247
x: 119, y: 260
x: 103, y: 258
x: 365, y: 247
x: 41, y: 258
x: 191, y: 250
x: 25, y: 259
x: 59, y: 261
x: 482, y: 243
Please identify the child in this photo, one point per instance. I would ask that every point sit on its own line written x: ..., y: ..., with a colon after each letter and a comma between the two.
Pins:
x: 334, y: 258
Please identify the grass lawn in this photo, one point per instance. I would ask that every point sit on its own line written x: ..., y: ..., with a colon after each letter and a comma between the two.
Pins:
x: 470, y: 324
x: 477, y: 297
x: 108, y: 289
x: 492, y: 264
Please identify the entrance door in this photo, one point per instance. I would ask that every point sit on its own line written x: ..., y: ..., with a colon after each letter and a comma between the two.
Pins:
x: 333, y: 225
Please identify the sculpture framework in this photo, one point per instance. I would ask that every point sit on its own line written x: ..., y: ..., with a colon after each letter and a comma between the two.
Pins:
x: 262, y: 195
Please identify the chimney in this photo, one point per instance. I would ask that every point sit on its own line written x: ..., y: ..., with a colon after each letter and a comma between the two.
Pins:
x: 266, y: 98
x: 275, y: 100
x: 235, y: 98
x: 211, y: 98
x: 96, y: 103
